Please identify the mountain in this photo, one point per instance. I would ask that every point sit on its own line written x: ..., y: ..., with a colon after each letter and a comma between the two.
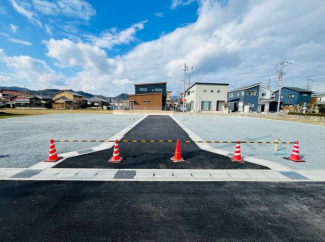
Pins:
x: 51, y: 92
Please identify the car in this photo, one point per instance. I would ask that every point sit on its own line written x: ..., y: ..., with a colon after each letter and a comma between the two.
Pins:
x: 180, y: 108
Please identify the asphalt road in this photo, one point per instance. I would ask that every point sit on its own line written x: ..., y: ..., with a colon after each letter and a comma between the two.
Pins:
x: 161, y: 211
x: 156, y: 155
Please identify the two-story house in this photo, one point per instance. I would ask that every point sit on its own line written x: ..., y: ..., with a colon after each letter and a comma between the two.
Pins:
x: 148, y: 96
x: 202, y: 96
x: 250, y: 98
x: 67, y: 100
x: 291, y: 96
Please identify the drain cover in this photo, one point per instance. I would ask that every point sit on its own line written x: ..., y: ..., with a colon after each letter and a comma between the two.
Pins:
x: 125, y: 174
x: 26, y: 174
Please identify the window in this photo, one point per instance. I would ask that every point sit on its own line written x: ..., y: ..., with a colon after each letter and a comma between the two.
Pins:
x: 231, y: 94
x: 158, y: 89
x: 291, y: 95
x: 263, y: 94
x: 95, y: 104
x: 204, y: 90
x: 205, y: 105
x: 146, y: 101
x: 211, y: 91
x: 305, y: 95
x: 237, y: 94
x: 281, y: 96
x: 252, y: 105
x: 218, y: 91
x: 188, y: 93
x: 192, y: 91
x: 242, y: 93
x: 143, y: 89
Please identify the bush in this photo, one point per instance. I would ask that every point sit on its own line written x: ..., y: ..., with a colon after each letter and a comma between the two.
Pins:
x: 308, y: 114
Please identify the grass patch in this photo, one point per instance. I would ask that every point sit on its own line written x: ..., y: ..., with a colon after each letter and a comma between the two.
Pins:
x: 308, y: 114
x: 4, y: 115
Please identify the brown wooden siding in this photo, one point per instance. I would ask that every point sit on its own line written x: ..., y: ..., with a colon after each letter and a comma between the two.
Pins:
x: 146, y: 101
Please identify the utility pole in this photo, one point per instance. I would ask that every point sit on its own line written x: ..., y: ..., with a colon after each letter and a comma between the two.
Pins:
x: 281, y: 74
x: 185, y: 70
x: 189, y: 78
x: 308, y: 85
x: 269, y: 85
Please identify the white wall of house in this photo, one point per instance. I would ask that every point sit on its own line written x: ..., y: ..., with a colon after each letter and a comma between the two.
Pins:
x: 264, y: 93
x: 211, y: 95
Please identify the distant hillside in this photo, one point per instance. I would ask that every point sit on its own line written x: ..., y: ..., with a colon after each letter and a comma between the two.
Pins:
x: 51, y: 92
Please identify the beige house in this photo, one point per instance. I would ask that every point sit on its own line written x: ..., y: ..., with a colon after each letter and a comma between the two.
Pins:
x: 67, y: 100
x: 206, y: 97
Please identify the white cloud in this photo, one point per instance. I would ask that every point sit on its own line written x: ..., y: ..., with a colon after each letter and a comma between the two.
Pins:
x: 48, y: 30
x: 14, y: 40
x: 110, y: 38
x: 25, y: 70
x: 14, y: 28
x: 27, y: 13
x: 72, y: 8
x: 233, y: 43
x: 159, y: 14
x: 122, y: 82
x: 177, y: 3
x: 83, y: 55
x: 3, y: 10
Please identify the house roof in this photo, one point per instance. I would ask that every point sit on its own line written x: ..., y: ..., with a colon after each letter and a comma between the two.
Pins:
x: 297, y: 89
x: 207, y: 83
x: 267, y: 88
x: 12, y: 92
x: 153, y: 83
x: 319, y: 95
x: 96, y: 99
x: 21, y: 100
x: 41, y: 97
x: 72, y: 93
x: 64, y: 98
x: 157, y: 93
x: 246, y: 87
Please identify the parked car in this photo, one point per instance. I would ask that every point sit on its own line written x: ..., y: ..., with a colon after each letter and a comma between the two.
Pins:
x: 180, y: 108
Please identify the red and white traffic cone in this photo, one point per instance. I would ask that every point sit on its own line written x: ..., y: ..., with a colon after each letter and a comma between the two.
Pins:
x: 116, y: 154
x: 53, y: 156
x: 237, y: 154
x: 177, y: 157
x: 295, y: 154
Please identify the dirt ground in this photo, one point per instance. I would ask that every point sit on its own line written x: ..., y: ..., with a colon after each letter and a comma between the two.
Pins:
x: 53, y: 111
x: 301, y: 120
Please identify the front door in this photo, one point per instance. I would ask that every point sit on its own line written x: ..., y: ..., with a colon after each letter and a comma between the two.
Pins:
x: 132, y: 105
x: 220, y: 105
x: 262, y: 108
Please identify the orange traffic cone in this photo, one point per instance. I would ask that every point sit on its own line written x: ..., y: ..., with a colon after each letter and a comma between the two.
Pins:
x: 237, y: 155
x: 177, y: 157
x: 53, y: 156
x: 295, y: 154
x: 116, y: 154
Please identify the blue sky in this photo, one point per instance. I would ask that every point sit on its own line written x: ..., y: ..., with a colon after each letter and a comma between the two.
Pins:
x: 104, y: 47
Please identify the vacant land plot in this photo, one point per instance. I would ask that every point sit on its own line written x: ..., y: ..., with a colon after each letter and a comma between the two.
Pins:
x: 25, y: 141
x: 54, y: 111
x: 311, y: 137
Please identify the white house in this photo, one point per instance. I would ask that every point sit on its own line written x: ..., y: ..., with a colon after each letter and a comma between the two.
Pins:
x: 206, y: 97
x: 264, y: 99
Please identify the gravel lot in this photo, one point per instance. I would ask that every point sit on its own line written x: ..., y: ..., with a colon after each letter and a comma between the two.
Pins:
x: 311, y: 137
x: 24, y: 141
